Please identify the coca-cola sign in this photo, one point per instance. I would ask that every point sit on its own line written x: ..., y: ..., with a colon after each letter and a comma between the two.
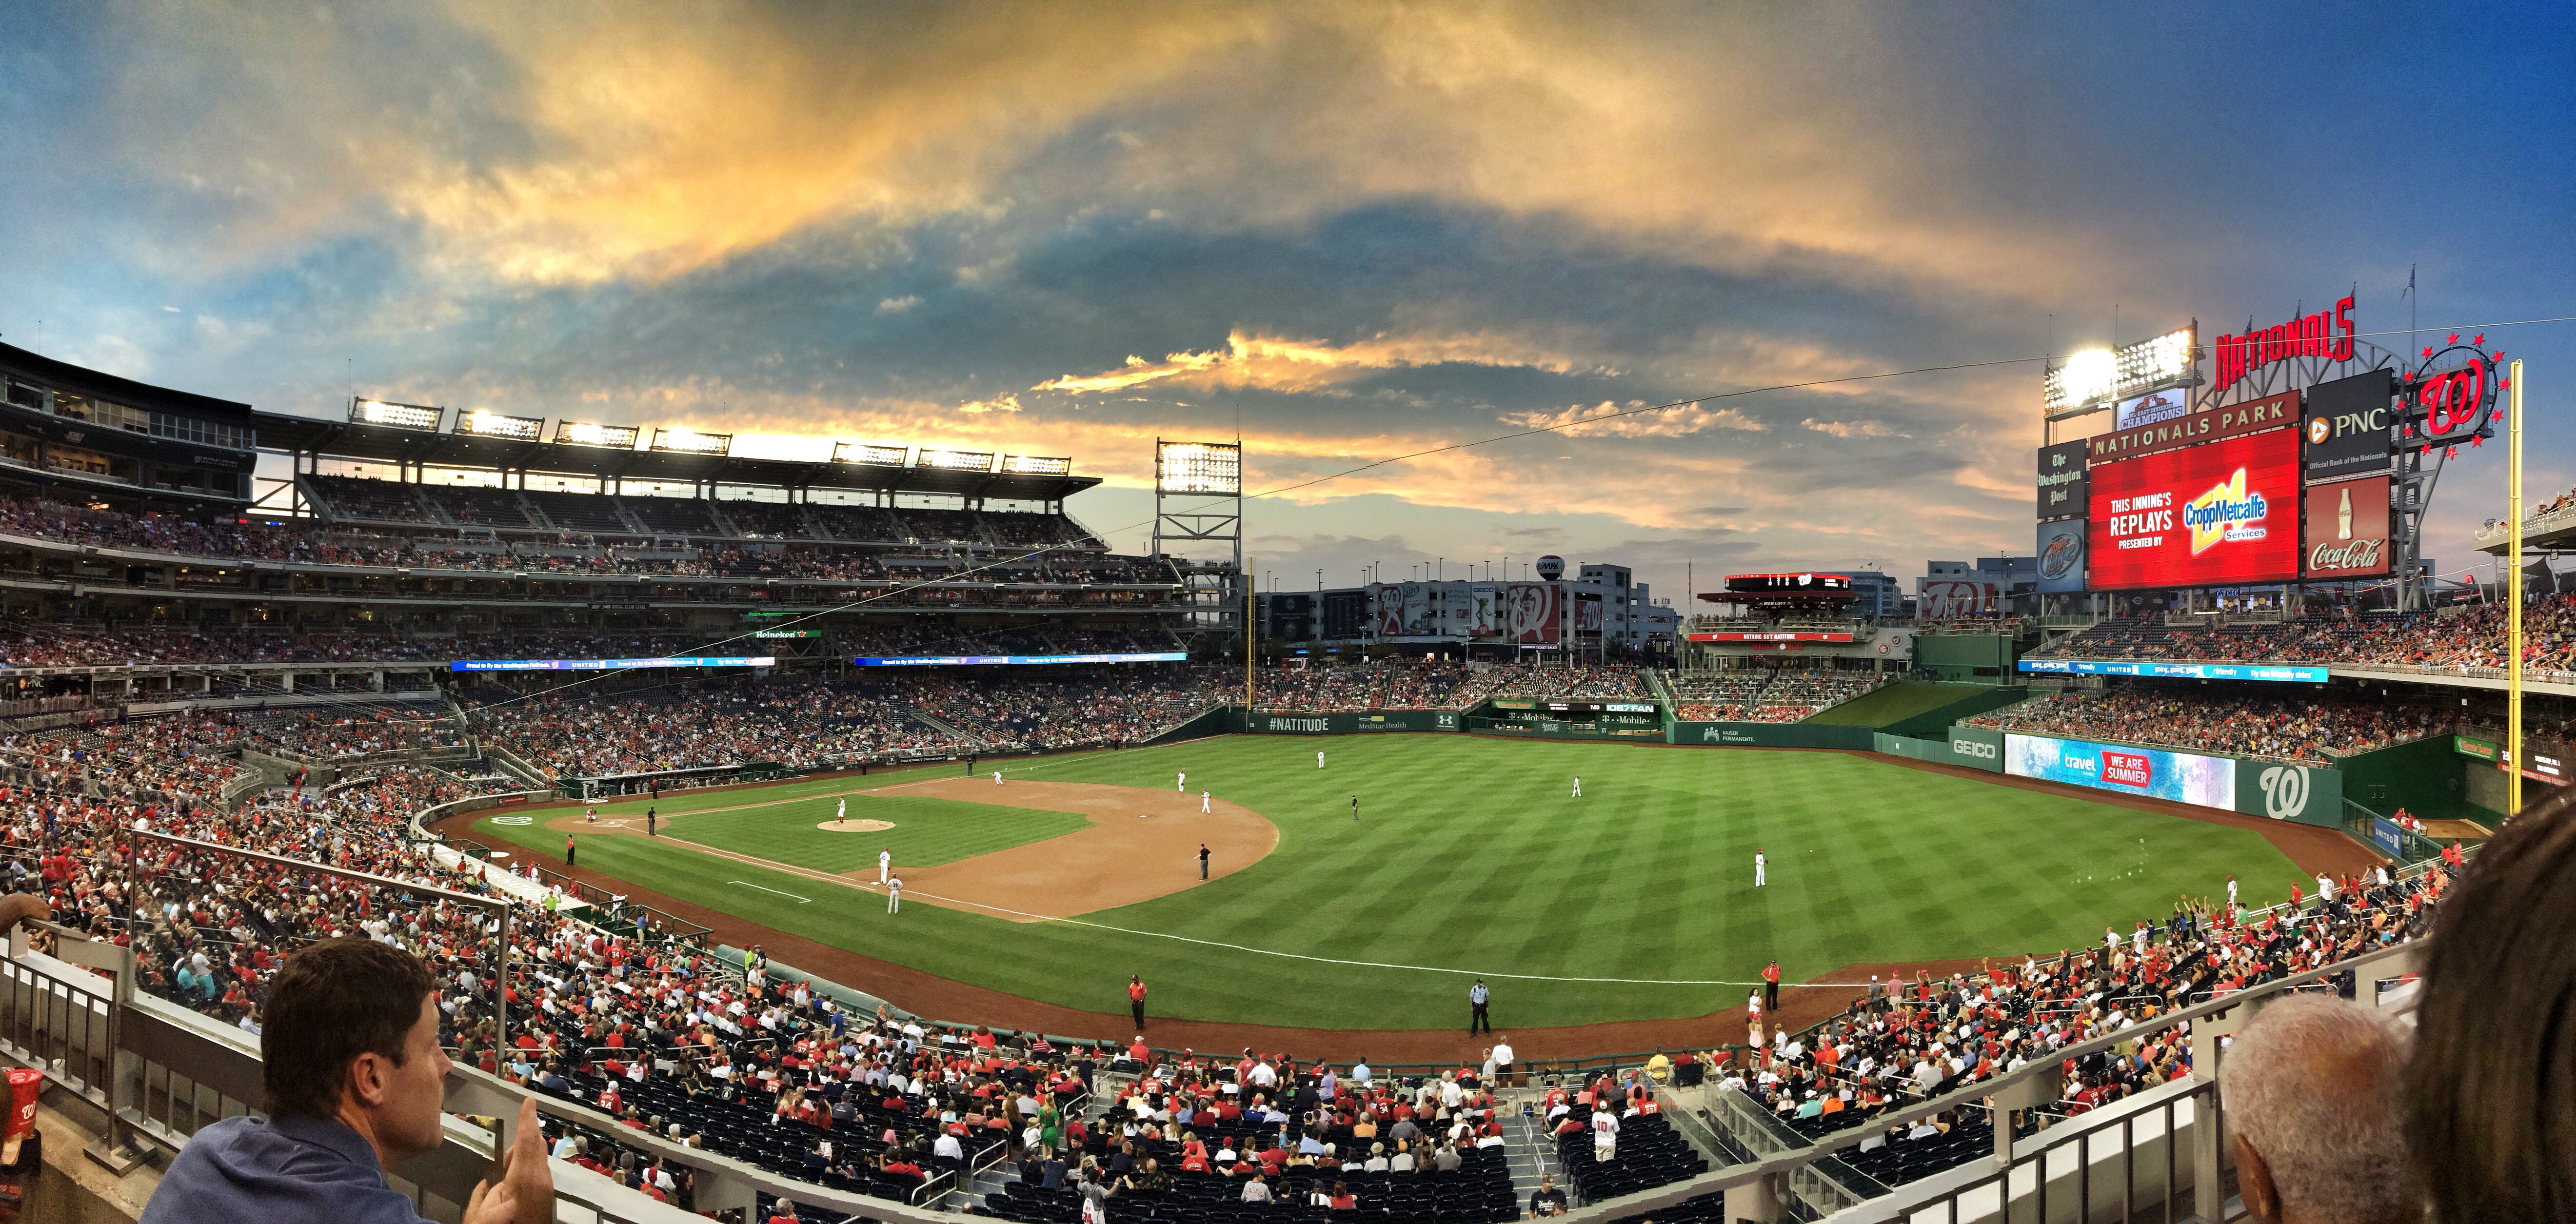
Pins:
x: 2347, y: 529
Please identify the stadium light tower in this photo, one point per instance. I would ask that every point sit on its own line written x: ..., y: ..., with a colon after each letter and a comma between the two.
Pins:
x: 1206, y: 478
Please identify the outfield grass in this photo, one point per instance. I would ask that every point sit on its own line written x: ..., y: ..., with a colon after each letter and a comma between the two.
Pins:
x: 1470, y: 856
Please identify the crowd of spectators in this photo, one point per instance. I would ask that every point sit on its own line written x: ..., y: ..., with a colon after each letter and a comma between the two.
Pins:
x: 1908, y: 1041
x: 2299, y: 728
x: 2456, y: 640
x: 1747, y: 695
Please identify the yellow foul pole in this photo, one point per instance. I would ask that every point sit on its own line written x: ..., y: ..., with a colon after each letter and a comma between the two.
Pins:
x: 1247, y: 647
x: 2513, y: 635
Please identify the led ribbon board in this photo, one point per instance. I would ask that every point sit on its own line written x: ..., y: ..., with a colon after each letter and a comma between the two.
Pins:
x: 1168, y: 656
x: 494, y: 665
x: 2176, y: 671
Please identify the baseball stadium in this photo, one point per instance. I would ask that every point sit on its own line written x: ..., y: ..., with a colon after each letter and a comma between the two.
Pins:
x: 895, y: 761
x: 1310, y: 613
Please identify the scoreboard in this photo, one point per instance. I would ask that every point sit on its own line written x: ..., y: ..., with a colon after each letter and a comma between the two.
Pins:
x: 2219, y: 514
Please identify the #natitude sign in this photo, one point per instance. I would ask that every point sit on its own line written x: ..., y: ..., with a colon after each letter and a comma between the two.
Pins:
x: 2213, y: 515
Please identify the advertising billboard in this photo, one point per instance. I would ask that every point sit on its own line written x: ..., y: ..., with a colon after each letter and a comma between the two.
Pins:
x: 2061, y: 481
x: 2206, y: 425
x: 2152, y: 408
x: 2214, y: 515
x: 1785, y: 635
x: 1485, y: 617
x: 2061, y: 557
x: 1936, y: 597
x: 1587, y: 612
x: 2350, y: 426
x: 1532, y: 611
x: 2347, y: 529
x: 2184, y: 777
x: 1388, y: 601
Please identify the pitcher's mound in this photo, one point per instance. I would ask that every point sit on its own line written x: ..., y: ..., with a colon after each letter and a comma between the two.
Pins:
x: 855, y: 826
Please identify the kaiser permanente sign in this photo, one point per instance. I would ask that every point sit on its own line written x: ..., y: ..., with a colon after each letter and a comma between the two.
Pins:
x: 2182, y: 671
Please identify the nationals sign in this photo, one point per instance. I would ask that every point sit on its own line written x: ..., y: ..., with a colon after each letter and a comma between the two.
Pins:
x: 2206, y: 425
x: 2348, y: 529
x: 2327, y: 334
x: 2214, y: 515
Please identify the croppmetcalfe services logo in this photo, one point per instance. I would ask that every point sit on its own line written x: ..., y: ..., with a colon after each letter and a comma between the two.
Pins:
x: 2226, y: 513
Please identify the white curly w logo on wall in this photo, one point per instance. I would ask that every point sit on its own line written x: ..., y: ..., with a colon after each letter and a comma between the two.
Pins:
x: 2285, y: 791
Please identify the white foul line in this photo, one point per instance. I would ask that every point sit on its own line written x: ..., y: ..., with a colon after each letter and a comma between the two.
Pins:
x: 797, y: 899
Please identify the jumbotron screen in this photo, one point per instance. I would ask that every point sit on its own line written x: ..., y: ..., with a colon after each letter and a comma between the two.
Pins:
x: 2218, y: 514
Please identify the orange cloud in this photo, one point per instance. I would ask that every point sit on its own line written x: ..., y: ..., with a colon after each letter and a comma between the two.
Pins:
x: 1278, y: 364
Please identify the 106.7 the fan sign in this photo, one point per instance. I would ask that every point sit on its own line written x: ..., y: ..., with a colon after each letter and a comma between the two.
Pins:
x: 2212, y: 515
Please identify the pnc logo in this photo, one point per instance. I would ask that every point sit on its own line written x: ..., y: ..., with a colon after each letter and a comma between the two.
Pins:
x: 2320, y: 431
x: 2285, y: 791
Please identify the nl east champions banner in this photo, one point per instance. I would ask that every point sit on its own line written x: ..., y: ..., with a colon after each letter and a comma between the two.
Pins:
x: 2210, y: 515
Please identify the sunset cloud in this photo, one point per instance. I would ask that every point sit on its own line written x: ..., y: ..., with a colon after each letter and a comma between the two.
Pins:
x: 1304, y: 365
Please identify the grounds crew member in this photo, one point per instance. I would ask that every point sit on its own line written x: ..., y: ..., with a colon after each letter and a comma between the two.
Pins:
x: 1771, y: 987
x: 1136, y: 999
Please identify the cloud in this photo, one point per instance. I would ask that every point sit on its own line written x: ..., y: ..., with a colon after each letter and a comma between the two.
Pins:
x: 898, y: 305
x: 1599, y: 421
x: 999, y: 403
x: 1278, y: 364
x: 1852, y: 429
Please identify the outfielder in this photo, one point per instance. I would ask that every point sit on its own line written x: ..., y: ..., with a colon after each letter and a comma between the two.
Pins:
x: 1578, y: 788
x: 1319, y: 758
x: 1759, y: 863
x: 997, y: 777
x: 1181, y: 782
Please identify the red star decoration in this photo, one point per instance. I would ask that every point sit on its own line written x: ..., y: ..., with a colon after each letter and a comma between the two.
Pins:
x: 2477, y: 440
x: 2481, y: 338
x: 2504, y: 384
x: 2450, y: 452
x: 2428, y: 448
x: 2428, y: 350
x: 2455, y: 338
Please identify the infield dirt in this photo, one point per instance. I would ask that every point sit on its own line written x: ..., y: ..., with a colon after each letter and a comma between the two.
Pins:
x: 1141, y: 844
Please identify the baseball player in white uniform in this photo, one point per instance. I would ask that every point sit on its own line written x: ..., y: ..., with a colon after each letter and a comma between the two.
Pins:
x: 894, y: 895
x: 1578, y: 788
x: 1203, y: 802
x: 1759, y: 863
x: 2231, y: 892
x: 842, y: 812
x: 1319, y: 758
x: 997, y: 777
x: 1181, y: 782
x: 885, y: 864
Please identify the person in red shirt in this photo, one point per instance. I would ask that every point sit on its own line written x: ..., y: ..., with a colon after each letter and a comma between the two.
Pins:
x: 1138, y: 1050
x: 1136, y: 999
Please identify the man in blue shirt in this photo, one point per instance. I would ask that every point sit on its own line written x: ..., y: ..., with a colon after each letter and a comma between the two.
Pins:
x: 1476, y: 997
x: 354, y: 1079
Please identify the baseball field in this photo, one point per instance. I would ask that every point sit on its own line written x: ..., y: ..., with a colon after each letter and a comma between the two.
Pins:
x: 1469, y: 855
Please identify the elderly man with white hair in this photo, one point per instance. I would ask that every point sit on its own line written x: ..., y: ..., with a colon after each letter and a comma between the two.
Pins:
x: 2313, y: 1090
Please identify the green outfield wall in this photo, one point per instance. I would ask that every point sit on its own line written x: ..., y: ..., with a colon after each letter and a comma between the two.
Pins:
x: 1772, y: 735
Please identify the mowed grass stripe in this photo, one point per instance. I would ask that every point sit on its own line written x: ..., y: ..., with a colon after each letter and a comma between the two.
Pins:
x: 1469, y: 855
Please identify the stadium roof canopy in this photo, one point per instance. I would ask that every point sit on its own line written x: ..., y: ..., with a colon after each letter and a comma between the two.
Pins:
x: 301, y: 435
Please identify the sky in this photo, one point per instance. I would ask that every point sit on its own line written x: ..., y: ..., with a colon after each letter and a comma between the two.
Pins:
x: 1340, y: 232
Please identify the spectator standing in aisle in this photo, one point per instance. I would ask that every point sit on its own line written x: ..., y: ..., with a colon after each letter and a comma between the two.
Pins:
x: 1502, y: 1055
x: 1753, y: 1020
x: 1136, y: 999
x: 1605, y: 1132
x: 1477, y: 996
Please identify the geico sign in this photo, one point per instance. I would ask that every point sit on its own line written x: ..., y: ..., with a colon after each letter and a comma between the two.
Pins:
x: 1971, y: 748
